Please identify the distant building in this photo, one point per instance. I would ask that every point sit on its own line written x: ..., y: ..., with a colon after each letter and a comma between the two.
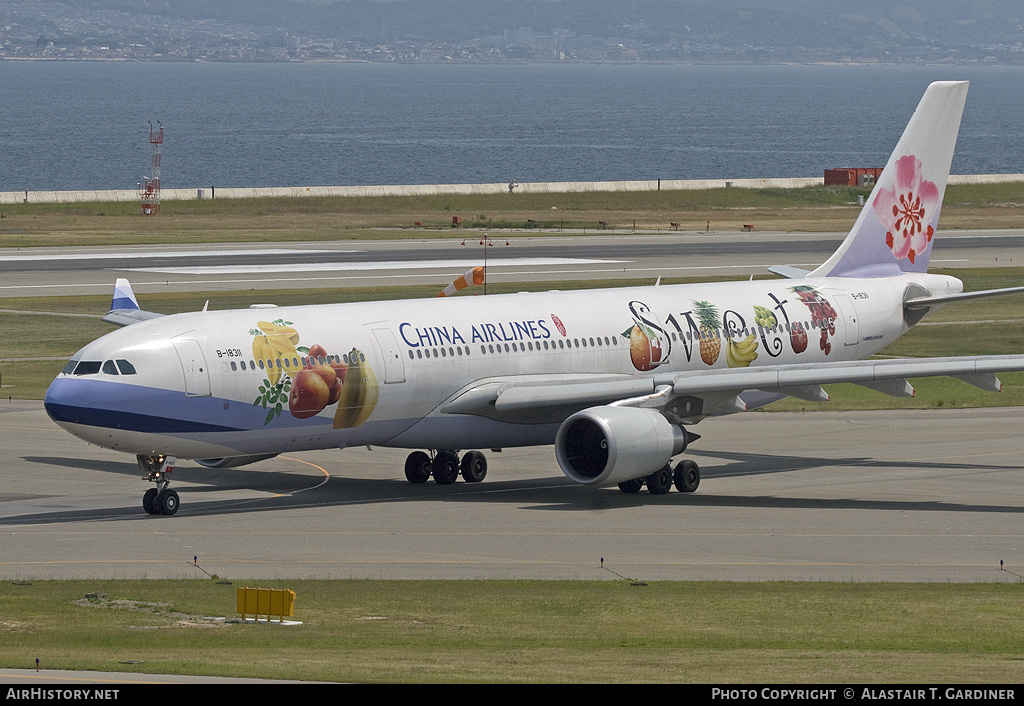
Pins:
x: 852, y: 176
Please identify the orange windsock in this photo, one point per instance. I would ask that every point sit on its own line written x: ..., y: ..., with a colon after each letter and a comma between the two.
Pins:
x: 473, y: 276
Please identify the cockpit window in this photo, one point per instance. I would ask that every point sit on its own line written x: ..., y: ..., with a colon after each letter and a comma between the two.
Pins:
x: 109, y: 368
x: 69, y: 367
x: 87, y: 367
x: 125, y: 367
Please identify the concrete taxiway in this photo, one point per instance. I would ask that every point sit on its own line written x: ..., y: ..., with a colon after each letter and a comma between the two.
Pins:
x: 860, y: 496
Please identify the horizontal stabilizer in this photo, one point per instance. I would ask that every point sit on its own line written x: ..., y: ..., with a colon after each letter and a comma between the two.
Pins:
x: 789, y: 272
x: 925, y: 302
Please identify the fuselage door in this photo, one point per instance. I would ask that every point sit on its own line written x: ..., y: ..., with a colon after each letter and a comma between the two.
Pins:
x: 394, y: 368
x: 848, y: 313
x: 193, y: 365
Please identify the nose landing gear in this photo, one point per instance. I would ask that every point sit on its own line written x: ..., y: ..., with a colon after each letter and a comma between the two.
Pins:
x: 160, y: 500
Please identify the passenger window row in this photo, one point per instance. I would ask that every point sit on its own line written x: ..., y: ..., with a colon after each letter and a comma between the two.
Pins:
x: 287, y: 364
x: 707, y: 334
x: 515, y: 347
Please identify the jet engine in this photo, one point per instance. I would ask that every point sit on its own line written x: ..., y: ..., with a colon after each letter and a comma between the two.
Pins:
x: 608, y: 445
x: 232, y: 461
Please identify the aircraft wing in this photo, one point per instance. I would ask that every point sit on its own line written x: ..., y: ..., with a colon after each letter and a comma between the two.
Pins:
x: 124, y: 309
x: 126, y: 317
x: 541, y: 395
x: 541, y: 398
x: 978, y: 370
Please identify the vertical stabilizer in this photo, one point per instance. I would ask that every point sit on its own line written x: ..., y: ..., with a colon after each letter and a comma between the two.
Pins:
x: 894, y: 231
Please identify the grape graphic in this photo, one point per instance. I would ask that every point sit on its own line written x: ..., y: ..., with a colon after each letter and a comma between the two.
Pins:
x: 822, y: 312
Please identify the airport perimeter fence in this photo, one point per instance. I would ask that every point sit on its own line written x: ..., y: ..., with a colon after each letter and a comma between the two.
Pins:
x: 29, y: 196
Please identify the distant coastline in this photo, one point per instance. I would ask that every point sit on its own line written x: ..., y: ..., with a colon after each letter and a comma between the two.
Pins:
x: 882, y: 32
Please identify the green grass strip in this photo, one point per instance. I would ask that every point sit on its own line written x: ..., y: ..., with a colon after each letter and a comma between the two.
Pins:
x: 529, y: 631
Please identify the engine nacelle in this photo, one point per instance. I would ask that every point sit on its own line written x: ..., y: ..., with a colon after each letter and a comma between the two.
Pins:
x: 232, y: 461
x: 608, y: 445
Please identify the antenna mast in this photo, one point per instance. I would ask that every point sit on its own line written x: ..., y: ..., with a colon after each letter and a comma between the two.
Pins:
x: 149, y: 187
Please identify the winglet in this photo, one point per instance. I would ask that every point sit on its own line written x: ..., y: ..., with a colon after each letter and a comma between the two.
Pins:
x: 124, y: 297
x: 124, y: 308
x: 893, y: 233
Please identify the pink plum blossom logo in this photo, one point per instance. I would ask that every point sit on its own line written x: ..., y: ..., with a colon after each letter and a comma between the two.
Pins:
x: 558, y: 324
x: 904, y: 208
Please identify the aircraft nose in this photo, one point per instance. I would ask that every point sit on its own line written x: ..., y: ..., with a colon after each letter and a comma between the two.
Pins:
x: 67, y: 401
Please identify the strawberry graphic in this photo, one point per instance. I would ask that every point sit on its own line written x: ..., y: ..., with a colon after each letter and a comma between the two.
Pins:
x: 798, y: 338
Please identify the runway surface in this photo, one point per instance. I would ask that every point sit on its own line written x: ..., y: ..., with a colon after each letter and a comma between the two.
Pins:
x: 510, y: 258
x: 861, y: 496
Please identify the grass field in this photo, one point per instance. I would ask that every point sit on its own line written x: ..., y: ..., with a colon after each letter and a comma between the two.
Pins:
x: 529, y: 631
x: 810, y: 209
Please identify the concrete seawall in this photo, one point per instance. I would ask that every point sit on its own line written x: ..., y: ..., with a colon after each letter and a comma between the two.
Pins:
x: 14, y: 197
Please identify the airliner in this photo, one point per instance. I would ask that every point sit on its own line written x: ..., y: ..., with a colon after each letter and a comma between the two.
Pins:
x: 614, y: 378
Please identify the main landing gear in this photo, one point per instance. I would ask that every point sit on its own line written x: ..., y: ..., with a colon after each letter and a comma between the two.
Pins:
x: 686, y: 478
x: 160, y: 500
x: 445, y: 467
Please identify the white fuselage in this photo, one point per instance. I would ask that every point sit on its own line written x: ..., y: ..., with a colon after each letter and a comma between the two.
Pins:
x: 201, y: 386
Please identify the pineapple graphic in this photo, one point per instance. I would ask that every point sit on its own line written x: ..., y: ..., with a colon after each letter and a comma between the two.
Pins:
x: 710, y: 344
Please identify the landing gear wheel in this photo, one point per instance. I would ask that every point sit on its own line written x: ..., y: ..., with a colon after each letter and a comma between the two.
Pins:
x: 160, y: 500
x: 474, y: 467
x: 659, y: 482
x: 686, y: 476
x: 417, y: 467
x: 149, y: 502
x: 167, y: 502
x: 445, y: 468
x: 632, y: 486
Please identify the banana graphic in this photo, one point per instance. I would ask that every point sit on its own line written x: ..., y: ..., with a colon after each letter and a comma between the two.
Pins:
x: 262, y: 350
x: 740, y: 354
x: 359, y: 393
x: 272, y: 329
x: 276, y: 342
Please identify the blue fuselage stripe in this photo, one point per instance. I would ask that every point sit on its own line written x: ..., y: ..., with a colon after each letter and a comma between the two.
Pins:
x: 129, y: 421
